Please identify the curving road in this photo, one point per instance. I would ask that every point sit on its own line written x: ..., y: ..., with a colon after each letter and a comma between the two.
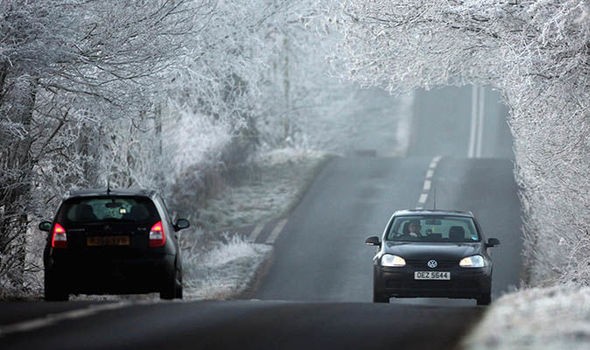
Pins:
x: 317, y: 291
x: 319, y: 256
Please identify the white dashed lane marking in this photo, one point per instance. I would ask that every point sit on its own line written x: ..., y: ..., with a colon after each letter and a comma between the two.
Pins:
x: 423, y: 198
x: 53, y: 319
x: 428, y: 182
x: 276, y: 231
x: 256, y: 232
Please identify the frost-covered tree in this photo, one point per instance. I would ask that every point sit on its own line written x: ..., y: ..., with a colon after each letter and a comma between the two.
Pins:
x: 536, y: 52
x: 172, y: 94
x: 251, y: 80
x: 73, y: 76
x: 161, y: 93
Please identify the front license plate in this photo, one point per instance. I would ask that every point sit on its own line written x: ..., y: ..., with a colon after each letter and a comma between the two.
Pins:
x: 107, y: 240
x: 432, y: 275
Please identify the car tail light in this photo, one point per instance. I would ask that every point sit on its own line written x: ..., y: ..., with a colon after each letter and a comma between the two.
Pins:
x: 59, y: 238
x: 157, y: 235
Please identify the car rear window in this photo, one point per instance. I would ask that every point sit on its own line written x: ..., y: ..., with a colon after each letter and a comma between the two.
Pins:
x: 112, y: 208
x: 454, y: 229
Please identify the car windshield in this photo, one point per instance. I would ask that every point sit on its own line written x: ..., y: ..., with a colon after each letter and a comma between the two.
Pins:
x: 440, y: 228
x: 93, y: 209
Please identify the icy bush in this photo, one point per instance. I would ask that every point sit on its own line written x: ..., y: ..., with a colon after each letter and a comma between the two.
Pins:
x: 225, y: 270
x: 537, y: 318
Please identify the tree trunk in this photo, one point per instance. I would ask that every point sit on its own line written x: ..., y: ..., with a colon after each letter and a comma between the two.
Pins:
x: 15, y: 189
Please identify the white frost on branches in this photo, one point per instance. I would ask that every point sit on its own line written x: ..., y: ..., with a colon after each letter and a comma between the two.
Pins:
x: 537, y: 54
x: 159, y: 94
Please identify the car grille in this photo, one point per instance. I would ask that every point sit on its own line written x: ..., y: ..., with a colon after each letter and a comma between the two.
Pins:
x: 423, y: 263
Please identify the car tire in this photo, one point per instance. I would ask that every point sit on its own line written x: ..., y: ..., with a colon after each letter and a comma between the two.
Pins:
x: 172, y: 288
x: 380, y: 298
x: 484, y: 299
x: 54, y: 290
x: 178, y: 291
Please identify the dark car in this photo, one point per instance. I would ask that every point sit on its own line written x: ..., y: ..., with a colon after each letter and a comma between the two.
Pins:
x: 112, y: 242
x: 432, y: 253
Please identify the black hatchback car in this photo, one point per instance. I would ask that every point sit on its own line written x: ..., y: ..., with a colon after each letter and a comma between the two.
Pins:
x: 112, y: 242
x: 432, y: 253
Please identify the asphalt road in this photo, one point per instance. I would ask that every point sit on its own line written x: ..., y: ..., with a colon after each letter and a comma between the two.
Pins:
x: 317, y: 291
x: 320, y: 256
x: 249, y: 325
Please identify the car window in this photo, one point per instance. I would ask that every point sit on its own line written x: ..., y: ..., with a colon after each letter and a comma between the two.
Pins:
x: 93, y: 209
x: 440, y: 228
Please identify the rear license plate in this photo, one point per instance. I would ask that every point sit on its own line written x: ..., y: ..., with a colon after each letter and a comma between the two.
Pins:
x: 97, y: 241
x: 432, y: 275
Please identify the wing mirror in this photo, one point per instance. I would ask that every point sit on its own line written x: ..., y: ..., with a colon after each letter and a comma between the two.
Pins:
x: 45, y: 226
x: 492, y: 242
x: 373, y: 240
x: 181, y: 224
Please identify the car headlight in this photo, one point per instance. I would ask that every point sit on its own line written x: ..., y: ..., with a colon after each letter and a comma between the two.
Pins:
x: 392, y: 261
x: 473, y: 261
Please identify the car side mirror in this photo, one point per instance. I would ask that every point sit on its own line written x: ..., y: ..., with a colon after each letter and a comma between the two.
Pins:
x: 181, y: 224
x: 492, y: 242
x: 373, y: 240
x: 45, y: 226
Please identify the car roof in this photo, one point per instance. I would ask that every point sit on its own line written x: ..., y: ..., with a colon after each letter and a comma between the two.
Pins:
x: 110, y: 192
x: 409, y: 212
